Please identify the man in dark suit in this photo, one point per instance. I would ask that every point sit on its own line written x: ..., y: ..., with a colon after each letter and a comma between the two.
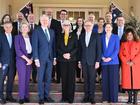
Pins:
x: 119, y: 28
x: 56, y: 26
x: 43, y: 53
x: 90, y: 57
x: 33, y: 26
x: 16, y: 24
x: 7, y: 61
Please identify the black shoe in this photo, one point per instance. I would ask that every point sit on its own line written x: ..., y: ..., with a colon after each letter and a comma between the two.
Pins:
x: 2, y: 101
x: 92, y: 101
x: 41, y: 102
x: 26, y: 100
x: 49, y: 99
x: 70, y: 101
x: 85, y: 100
x: 21, y: 101
x: 11, y: 99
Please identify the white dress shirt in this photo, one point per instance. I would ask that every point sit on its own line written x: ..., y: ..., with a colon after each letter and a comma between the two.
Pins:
x: 87, y: 38
x: 107, y: 41
x: 28, y: 45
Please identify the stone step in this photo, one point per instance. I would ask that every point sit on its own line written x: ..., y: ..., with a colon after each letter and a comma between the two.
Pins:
x: 77, y: 99
x: 56, y: 87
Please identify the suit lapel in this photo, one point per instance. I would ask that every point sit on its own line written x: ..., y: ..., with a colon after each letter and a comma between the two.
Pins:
x: 6, y: 40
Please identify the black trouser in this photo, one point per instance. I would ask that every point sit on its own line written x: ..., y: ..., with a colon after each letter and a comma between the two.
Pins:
x: 68, y: 80
x: 132, y: 96
x: 89, y: 74
x: 34, y: 72
x: 56, y: 72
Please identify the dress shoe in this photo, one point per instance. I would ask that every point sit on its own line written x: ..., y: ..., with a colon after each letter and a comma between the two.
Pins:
x: 2, y: 101
x: 85, y: 100
x: 11, y: 99
x: 26, y: 100
x: 70, y: 101
x: 21, y: 101
x: 49, y: 99
x: 92, y: 101
x: 41, y: 102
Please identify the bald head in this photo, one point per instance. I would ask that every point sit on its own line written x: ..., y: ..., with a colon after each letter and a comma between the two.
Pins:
x: 91, y: 18
x: 49, y: 12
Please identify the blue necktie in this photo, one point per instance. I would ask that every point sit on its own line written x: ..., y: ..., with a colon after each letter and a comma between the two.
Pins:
x: 120, y: 32
x: 47, y: 36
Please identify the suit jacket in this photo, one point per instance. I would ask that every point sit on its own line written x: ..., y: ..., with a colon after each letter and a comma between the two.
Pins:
x: 71, y: 48
x: 15, y: 28
x: 42, y: 49
x: 92, y: 53
x: 31, y: 31
x: 56, y: 26
x: 112, y: 50
x: 7, y: 54
x: 115, y: 31
x: 20, y: 46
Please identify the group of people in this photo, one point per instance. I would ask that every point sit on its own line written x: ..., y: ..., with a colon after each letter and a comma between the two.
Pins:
x: 107, y: 49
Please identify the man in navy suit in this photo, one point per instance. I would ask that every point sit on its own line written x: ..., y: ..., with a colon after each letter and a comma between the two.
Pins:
x: 43, y: 53
x: 7, y: 63
x: 119, y: 28
x: 90, y: 48
x: 33, y: 26
x: 56, y: 26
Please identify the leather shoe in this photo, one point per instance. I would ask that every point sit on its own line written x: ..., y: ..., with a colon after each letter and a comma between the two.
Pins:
x: 21, y: 101
x: 2, y: 101
x: 41, y: 102
x: 11, y: 99
x: 49, y: 99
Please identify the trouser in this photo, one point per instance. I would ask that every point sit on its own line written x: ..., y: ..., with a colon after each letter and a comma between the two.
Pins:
x: 68, y: 80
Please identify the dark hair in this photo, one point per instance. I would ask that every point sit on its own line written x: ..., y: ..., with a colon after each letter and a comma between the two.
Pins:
x: 120, y: 16
x: 101, y: 18
x: 63, y: 10
x: 108, y: 24
x: 2, y: 20
x: 83, y: 30
x: 8, y: 22
x: 77, y: 22
x: 134, y: 33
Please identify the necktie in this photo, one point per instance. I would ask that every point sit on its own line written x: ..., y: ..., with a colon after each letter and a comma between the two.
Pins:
x: 120, y: 32
x: 31, y: 27
x: 47, y: 36
x: 66, y: 37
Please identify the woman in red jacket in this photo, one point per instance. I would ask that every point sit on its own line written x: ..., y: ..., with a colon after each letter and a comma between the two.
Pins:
x: 130, y: 64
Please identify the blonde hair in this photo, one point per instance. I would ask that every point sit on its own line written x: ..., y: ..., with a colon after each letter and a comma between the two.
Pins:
x: 22, y: 23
